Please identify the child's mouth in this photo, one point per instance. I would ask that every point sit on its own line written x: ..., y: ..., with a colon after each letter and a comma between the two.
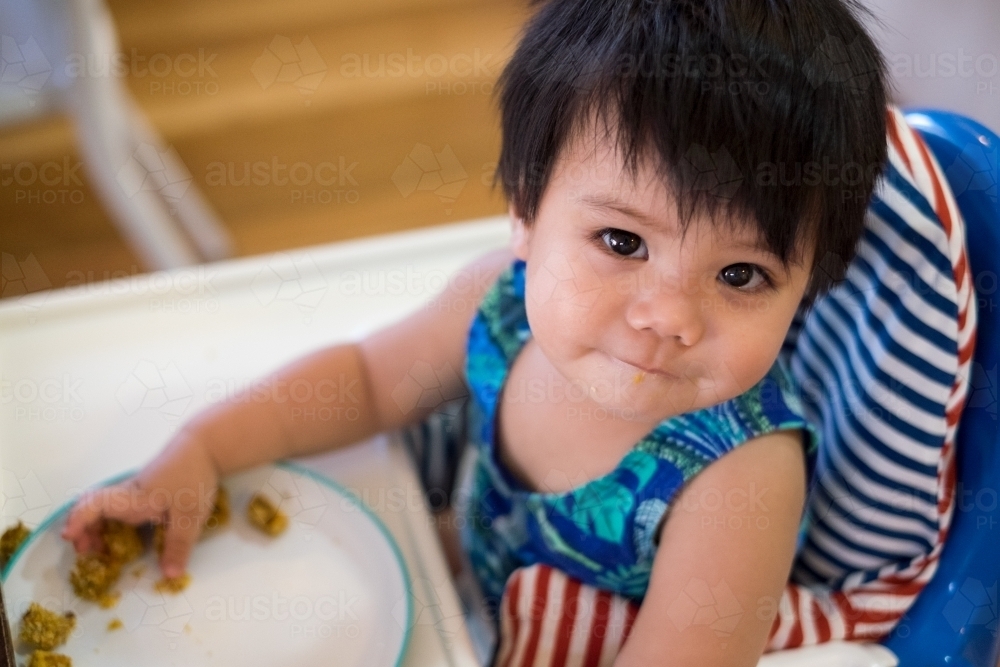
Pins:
x: 643, y: 372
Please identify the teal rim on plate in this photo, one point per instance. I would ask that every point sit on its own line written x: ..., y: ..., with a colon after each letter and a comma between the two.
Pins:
x: 287, y: 465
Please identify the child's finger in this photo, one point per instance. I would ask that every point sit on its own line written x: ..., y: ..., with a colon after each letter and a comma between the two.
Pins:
x: 181, y: 533
x: 125, y: 502
x: 87, y: 510
x: 89, y: 540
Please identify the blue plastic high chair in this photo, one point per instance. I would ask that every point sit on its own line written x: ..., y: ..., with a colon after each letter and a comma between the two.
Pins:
x: 954, y: 620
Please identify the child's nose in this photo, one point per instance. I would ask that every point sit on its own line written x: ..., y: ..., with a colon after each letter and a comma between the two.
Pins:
x: 670, y: 314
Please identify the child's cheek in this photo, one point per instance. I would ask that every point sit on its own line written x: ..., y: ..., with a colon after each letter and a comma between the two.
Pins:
x: 748, y: 355
x: 568, y: 282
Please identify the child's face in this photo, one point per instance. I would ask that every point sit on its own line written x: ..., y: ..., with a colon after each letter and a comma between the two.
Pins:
x: 698, y: 310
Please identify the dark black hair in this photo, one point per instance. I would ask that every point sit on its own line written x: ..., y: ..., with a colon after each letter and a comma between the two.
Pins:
x: 773, y: 111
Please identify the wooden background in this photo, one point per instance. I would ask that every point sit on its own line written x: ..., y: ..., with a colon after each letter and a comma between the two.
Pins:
x: 385, y: 80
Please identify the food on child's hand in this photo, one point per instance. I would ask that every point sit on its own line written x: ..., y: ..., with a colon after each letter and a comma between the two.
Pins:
x: 265, y: 516
x: 220, y: 510
x: 93, y: 575
x: 46, y: 659
x: 45, y: 629
x: 159, y: 538
x: 173, y: 585
x: 11, y: 540
x: 121, y: 541
x: 218, y: 518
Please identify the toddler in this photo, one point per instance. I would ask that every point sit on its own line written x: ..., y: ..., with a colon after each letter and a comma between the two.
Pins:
x: 681, y: 175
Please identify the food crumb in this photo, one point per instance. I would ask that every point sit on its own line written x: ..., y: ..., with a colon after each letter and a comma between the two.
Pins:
x: 137, y: 572
x: 93, y: 575
x: 121, y: 541
x: 45, y: 629
x: 11, y: 539
x: 46, y: 659
x: 159, y: 538
x: 175, y: 585
x: 218, y: 518
x: 115, y: 624
x: 187, y: 628
x: 265, y: 516
x: 109, y: 599
x: 220, y: 510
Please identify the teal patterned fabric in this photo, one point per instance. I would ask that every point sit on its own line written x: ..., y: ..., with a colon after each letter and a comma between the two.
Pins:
x: 601, y: 532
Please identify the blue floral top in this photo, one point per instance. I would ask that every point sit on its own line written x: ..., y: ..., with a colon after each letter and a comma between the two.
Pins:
x: 601, y: 532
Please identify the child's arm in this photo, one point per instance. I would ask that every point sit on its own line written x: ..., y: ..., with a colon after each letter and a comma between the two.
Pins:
x: 725, y: 552
x: 178, y: 486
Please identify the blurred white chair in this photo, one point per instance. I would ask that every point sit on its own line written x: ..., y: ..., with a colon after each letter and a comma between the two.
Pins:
x: 145, y: 187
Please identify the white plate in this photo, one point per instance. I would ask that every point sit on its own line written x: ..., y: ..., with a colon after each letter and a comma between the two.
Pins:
x: 331, y: 590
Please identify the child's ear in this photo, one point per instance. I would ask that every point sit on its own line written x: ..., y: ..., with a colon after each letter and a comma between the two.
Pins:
x: 520, y: 234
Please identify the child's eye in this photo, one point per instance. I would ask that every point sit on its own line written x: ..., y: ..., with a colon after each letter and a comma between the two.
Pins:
x: 745, y: 277
x: 621, y: 242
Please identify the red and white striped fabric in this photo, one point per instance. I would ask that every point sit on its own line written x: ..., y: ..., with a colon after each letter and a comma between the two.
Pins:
x: 548, y: 619
x: 811, y: 614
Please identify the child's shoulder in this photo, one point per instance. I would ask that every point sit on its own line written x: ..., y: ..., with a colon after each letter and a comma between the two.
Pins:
x: 773, y: 404
x: 501, y: 320
x: 770, y: 405
x: 433, y: 337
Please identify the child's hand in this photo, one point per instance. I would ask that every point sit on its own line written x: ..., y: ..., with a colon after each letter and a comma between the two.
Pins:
x: 177, y: 489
